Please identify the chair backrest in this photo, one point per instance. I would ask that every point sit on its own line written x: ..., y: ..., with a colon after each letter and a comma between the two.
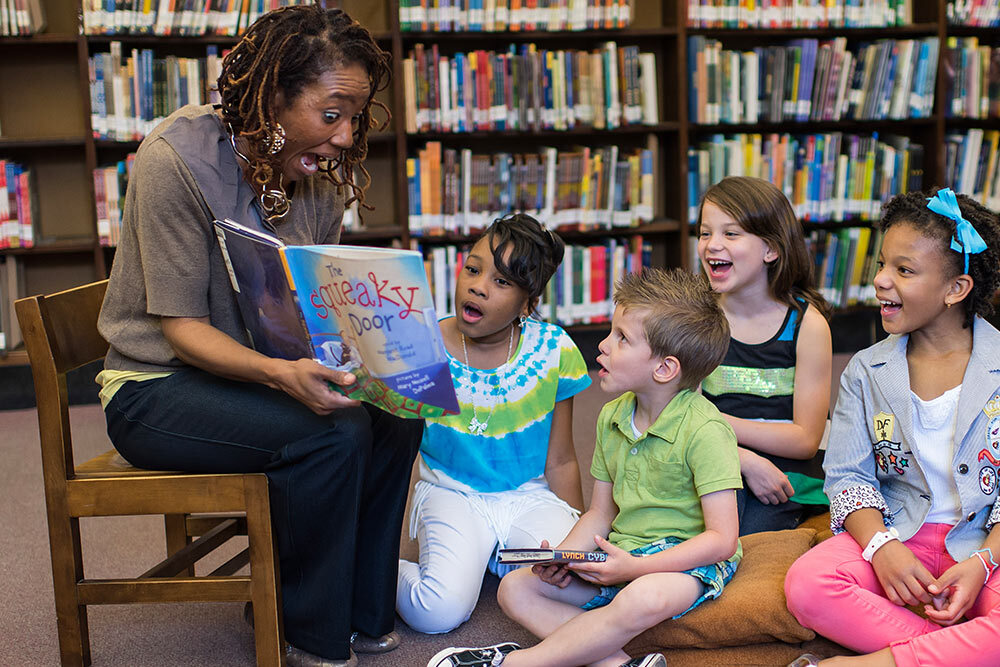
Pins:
x: 60, y: 334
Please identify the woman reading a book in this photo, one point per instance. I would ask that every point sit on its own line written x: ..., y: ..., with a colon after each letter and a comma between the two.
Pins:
x: 183, y: 389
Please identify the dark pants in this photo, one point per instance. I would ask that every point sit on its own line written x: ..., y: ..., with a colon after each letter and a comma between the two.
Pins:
x: 756, y: 517
x: 338, y: 487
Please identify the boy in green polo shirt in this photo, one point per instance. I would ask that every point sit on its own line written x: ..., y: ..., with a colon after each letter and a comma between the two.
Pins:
x: 664, y: 504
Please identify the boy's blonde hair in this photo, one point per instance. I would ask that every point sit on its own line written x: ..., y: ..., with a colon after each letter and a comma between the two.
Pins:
x: 682, y: 319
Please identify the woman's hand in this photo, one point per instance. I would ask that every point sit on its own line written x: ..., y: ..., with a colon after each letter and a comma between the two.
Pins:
x: 764, y: 479
x: 955, y: 591
x: 904, y: 579
x: 308, y: 382
x: 617, y: 569
x: 555, y: 574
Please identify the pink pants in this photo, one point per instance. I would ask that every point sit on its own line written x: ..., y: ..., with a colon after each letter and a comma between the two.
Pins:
x: 835, y: 592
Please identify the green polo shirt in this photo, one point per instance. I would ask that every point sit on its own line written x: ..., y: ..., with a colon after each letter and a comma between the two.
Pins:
x: 659, y: 477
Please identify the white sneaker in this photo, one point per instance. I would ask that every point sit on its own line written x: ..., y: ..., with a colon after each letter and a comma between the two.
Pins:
x: 650, y: 660
x: 485, y: 656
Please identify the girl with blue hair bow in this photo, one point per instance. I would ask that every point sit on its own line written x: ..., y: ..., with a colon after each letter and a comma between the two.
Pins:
x: 914, y: 452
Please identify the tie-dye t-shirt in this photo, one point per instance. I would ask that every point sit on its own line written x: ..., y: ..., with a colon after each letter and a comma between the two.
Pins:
x: 546, y: 368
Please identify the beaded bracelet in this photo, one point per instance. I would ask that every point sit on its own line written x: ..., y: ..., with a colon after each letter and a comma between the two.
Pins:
x: 989, y: 570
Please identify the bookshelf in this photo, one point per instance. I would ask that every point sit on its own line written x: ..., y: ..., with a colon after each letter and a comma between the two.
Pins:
x: 47, y: 125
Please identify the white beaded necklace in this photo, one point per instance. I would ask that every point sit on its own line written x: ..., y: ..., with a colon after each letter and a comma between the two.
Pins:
x: 477, y: 427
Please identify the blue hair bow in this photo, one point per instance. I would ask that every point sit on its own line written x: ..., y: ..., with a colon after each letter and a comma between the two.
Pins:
x: 967, y: 240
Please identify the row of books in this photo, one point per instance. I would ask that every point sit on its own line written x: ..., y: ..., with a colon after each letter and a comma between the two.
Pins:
x: 452, y: 190
x: 811, y: 80
x: 513, y: 15
x: 12, y: 287
x: 846, y: 261
x: 526, y: 88
x: 827, y: 177
x: 980, y: 13
x: 971, y: 165
x: 130, y: 93
x: 109, y: 197
x: 799, y: 13
x: 581, y: 290
x: 21, y: 17
x: 972, y: 75
x: 17, y: 205
x: 175, y: 17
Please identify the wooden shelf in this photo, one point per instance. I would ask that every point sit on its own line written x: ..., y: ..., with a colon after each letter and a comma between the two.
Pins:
x: 54, y: 248
x: 862, y: 126
x: 573, y: 133
x: 568, y: 235
x: 991, y: 34
x: 41, y: 39
x: 19, y: 143
x: 770, y: 34
x: 357, y: 236
x: 166, y: 41
x: 617, y: 35
x: 992, y: 123
x: 16, y: 357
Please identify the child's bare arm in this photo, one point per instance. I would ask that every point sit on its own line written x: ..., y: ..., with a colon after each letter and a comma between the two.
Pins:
x: 717, y: 542
x: 595, y: 521
x: 562, y: 471
x: 811, y: 398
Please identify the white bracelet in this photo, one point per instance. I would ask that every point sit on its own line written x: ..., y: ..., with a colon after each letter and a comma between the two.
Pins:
x: 878, y: 541
x: 986, y: 567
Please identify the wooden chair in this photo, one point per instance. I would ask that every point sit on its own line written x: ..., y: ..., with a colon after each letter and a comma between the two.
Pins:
x: 60, y: 334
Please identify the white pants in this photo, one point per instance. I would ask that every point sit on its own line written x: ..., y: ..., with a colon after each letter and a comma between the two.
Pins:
x: 458, y: 535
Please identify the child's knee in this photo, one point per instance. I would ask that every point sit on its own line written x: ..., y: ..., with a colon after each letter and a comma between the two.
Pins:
x: 645, y: 606
x: 802, y: 589
x: 516, y: 589
x: 435, y: 611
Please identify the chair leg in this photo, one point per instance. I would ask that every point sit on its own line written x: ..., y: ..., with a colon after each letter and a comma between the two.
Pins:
x: 265, y: 583
x: 67, y: 570
x: 175, y: 528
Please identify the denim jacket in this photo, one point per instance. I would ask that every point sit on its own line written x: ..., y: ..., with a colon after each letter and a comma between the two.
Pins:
x: 870, y: 461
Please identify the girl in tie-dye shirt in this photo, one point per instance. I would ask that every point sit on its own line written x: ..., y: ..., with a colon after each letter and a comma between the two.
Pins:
x: 503, y: 472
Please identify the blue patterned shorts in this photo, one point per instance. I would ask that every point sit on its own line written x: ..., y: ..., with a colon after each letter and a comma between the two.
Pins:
x: 713, y: 577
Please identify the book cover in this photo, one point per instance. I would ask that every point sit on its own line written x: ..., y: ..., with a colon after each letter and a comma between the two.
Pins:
x: 368, y: 311
x: 546, y: 555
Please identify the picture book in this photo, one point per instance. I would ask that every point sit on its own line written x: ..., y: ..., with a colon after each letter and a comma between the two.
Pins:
x: 543, y: 555
x: 368, y: 311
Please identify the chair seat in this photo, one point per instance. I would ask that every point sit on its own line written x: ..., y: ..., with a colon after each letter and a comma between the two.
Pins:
x: 111, y: 464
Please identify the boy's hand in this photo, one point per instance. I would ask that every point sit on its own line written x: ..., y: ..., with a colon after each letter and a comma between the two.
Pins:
x: 617, y: 569
x: 955, y: 591
x: 554, y: 574
x: 765, y: 480
x: 904, y: 579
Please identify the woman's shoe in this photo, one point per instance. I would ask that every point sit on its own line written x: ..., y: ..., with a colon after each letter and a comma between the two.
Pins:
x: 362, y: 643
x: 805, y: 660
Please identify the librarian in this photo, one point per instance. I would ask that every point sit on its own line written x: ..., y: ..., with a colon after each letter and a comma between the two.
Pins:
x: 181, y: 387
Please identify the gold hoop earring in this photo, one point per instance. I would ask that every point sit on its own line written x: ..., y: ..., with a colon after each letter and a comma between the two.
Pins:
x: 275, y: 139
x: 947, y: 304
